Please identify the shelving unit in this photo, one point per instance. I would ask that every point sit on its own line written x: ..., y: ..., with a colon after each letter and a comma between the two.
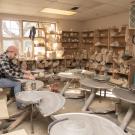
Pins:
x: 91, y: 50
x: 87, y: 43
x: 71, y: 45
x: 87, y: 38
x: 102, y: 38
x: 70, y: 40
x: 117, y: 38
x: 118, y: 46
x: 107, y: 45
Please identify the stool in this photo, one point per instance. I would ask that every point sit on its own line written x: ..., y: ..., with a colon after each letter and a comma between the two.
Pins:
x: 3, y: 105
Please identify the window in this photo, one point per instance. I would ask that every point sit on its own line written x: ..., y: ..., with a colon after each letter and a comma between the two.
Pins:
x: 27, y: 26
x: 10, y: 29
x: 27, y: 46
x: 12, y: 34
x: 49, y: 27
x: 9, y: 42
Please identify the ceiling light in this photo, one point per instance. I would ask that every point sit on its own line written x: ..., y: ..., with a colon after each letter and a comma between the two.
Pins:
x: 57, y: 11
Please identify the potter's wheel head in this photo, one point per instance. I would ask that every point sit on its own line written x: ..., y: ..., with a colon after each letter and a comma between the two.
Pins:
x: 51, y: 102
x: 28, y: 97
x: 84, y: 124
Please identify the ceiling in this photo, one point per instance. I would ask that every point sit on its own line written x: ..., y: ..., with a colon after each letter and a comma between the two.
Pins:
x: 89, y: 9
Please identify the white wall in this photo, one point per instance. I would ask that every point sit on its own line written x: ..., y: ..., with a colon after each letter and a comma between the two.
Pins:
x: 103, y: 22
x: 62, y: 24
x: 106, y: 22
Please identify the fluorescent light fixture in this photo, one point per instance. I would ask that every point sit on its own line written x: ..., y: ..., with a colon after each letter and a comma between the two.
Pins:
x: 57, y: 11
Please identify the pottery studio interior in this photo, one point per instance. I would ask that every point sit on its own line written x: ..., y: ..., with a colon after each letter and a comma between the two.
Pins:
x: 67, y: 67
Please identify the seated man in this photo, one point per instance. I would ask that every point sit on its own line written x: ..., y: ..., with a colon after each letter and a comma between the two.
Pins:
x: 10, y: 71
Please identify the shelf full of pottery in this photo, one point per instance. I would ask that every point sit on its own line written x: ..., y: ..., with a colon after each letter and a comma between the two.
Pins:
x: 117, y: 37
x: 70, y: 37
x: 87, y: 38
x: 120, y: 70
x: 102, y: 38
x: 99, y: 58
x: 113, y: 63
x: 54, y: 65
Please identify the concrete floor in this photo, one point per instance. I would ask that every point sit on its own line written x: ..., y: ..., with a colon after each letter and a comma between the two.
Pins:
x: 72, y: 105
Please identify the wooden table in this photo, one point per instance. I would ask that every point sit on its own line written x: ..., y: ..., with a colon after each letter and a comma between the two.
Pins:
x: 93, y: 86
x: 70, y: 77
x: 128, y: 96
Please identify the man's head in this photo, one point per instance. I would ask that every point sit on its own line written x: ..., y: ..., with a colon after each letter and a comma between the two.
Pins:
x: 12, y: 52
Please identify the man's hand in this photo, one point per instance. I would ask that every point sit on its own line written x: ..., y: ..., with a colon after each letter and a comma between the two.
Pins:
x: 27, y: 72
x: 30, y: 77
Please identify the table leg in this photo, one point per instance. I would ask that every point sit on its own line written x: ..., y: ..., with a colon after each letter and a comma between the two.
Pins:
x: 89, y: 100
x: 127, y: 117
x: 65, y: 87
x: 31, y: 119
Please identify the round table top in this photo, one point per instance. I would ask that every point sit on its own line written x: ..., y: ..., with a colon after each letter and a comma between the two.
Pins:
x: 124, y: 94
x: 90, y: 83
x: 48, y: 102
x: 81, y: 71
x: 84, y: 124
x: 28, y: 97
x: 68, y: 75
x: 75, y: 70
x: 86, y: 72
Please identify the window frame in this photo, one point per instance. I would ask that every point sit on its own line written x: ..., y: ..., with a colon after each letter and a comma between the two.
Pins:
x: 21, y: 37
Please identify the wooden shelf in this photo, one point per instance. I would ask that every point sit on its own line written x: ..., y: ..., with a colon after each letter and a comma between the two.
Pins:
x: 121, y: 73
x: 70, y: 42
x: 101, y: 36
x: 117, y: 46
x: 87, y: 37
x: 118, y: 36
x: 70, y: 48
x: 101, y: 46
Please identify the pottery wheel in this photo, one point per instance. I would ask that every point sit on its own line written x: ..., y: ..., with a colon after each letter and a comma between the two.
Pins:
x: 51, y: 102
x: 84, y: 124
x: 90, y: 83
x: 28, y: 97
x: 48, y: 102
x: 68, y: 75
x: 75, y: 70
x: 124, y: 94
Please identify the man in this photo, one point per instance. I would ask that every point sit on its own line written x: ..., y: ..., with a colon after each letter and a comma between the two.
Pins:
x: 9, y: 71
